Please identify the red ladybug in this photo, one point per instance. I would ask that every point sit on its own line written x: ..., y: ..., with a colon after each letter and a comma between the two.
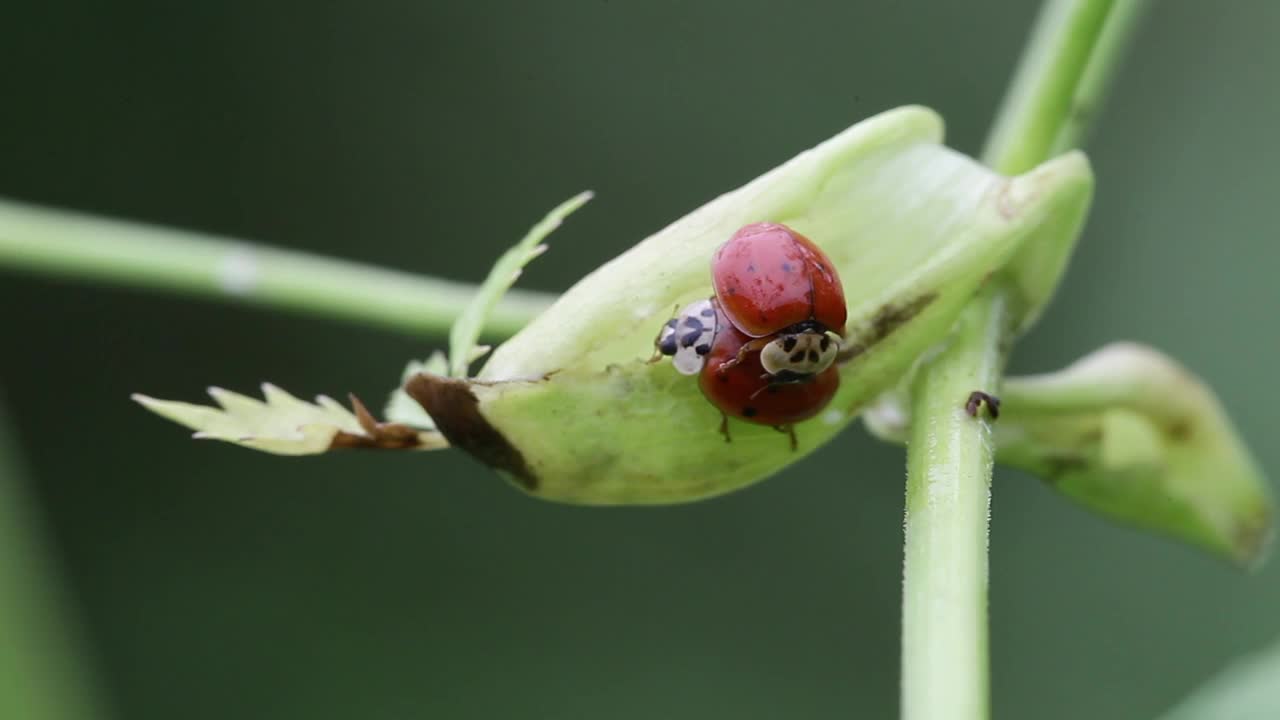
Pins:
x: 737, y: 383
x: 775, y: 285
x: 769, y: 278
x: 764, y: 347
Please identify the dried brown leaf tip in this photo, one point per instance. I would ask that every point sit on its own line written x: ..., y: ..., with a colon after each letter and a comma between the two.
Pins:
x: 456, y: 411
x: 380, y: 435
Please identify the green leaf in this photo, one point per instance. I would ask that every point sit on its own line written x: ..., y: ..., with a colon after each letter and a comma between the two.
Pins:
x: 285, y: 425
x: 1248, y: 689
x: 914, y: 229
x: 466, y: 329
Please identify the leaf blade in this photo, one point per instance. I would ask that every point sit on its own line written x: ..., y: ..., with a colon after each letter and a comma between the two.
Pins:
x: 467, y: 328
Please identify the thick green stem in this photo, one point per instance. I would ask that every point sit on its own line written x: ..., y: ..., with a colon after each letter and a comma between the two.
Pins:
x: 89, y: 248
x: 949, y: 459
x: 1063, y: 73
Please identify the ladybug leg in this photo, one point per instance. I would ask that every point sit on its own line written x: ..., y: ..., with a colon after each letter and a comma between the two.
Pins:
x: 743, y: 352
x: 977, y: 399
x: 724, y: 427
x: 790, y: 430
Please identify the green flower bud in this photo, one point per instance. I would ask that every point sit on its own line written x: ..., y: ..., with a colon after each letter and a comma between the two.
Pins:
x: 1131, y: 434
x: 571, y: 408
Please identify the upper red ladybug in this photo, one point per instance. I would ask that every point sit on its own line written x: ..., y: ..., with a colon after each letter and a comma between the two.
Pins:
x: 769, y: 277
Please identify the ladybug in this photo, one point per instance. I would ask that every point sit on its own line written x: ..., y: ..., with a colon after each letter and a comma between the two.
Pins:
x: 739, y: 385
x: 687, y: 337
x: 769, y: 277
x: 778, y: 288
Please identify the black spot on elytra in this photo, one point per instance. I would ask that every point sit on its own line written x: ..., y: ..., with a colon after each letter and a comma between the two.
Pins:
x: 748, y: 411
x: 668, y: 345
x: 693, y: 322
x: 813, y: 356
x: 689, y: 338
x: 702, y: 349
x: 789, y: 344
x: 786, y: 267
x: 707, y: 312
x: 797, y: 356
x: 826, y: 343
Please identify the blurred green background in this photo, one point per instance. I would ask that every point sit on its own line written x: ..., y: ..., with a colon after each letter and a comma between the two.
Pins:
x: 207, y: 581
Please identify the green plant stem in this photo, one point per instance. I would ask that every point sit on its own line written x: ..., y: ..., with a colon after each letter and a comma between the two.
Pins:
x: 1116, y: 35
x: 96, y: 249
x: 41, y: 674
x: 1044, y: 89
x: 949, y: 460
x: 1073, y: 51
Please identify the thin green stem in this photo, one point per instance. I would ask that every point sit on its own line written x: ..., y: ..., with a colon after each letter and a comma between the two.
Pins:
x: 949, y: 459
x: 1041, y: 97
x: 1117, y: 33
x: 96, y: 249
x: 1073, y: 51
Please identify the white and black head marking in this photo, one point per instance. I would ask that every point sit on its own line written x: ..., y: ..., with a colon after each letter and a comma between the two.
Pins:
x: 800, y: 354
x: 687, y: 337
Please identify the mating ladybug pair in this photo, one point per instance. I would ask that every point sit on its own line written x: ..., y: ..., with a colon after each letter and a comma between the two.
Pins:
x: 764, y: 346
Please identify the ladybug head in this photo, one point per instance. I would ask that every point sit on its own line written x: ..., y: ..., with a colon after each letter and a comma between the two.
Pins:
x: 794, y: 354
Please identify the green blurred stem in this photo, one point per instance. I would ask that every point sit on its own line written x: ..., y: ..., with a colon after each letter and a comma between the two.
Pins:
x: 87, y: 248
x: 1064, y: 71
x: 42, y: 673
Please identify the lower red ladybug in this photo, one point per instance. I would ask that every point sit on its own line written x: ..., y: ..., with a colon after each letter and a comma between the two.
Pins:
x: 740, y: 387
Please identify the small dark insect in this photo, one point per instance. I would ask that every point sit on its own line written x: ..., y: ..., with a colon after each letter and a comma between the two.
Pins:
x: 977, y: 398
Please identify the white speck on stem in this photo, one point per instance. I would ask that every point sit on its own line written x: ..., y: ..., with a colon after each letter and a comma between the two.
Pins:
x: 238, y: 271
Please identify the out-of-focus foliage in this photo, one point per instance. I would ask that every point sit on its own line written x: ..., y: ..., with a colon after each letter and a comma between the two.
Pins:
x: 1248, y: 689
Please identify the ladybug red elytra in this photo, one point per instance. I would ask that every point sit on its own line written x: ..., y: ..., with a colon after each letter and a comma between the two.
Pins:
x: 769, y: 278
x: 739, y: 385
